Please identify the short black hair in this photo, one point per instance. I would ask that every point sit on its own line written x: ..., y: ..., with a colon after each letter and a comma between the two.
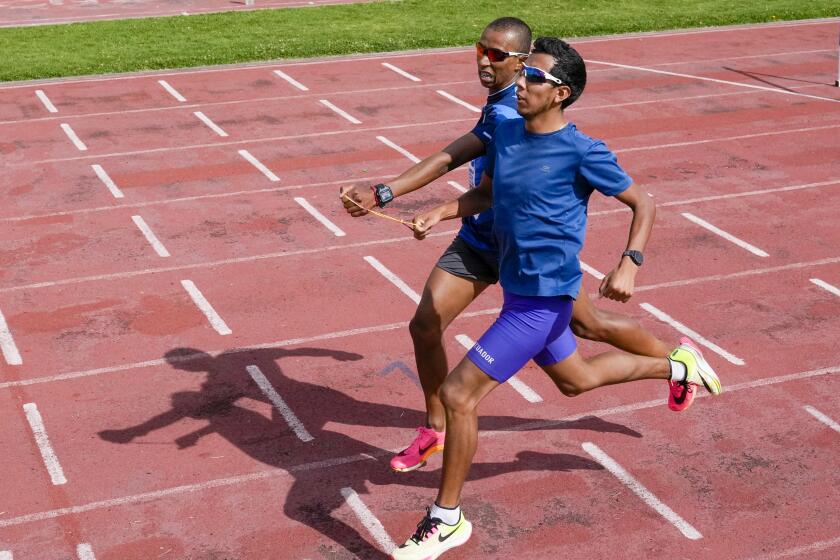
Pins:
x: 568, y: 65
x: 516, y: 26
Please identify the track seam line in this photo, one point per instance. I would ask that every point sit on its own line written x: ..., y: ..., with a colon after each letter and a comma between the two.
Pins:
x: 330, y: 463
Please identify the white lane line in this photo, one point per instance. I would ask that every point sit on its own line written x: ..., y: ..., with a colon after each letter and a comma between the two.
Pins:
x: 210, y: 124
x: 201, y: 302
x: 728, y: 236
x: 7, y: 344
x: 172, y: 91
x: 71, y: 134
x: 457, y: 186
x: 291, y: 418
x: 401, y: 72
x: 150, y: 236
x: 723, y: 139
x: 337, y: 231
x: 107, y: 181
x: 43, y: 442
x: 371, y: 523
x: 259, y: 165
x: 393, y: 278
x: 85, y: 552
x: 592, y: 271
x: 400, y: 149
x: 46, y: 101
x: 637, y: 488
x: 800, y: 551
x: 460, y: 102
x: 339, y: 111
x: 823, y: 418
x: 291, y: 80
x: 714, y: 80
x: 318, y: 465
x: 692, y: 334
x: 826, y: 286
x: 515, y: 383
x: 6, y: 555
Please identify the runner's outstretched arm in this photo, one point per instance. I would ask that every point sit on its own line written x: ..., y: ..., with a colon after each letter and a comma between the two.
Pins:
x: 464, y: 149
x: 471, y: 202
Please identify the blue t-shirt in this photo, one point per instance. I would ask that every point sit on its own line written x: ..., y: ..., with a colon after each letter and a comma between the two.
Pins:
x: 501, y: 106
x: 541, y: 188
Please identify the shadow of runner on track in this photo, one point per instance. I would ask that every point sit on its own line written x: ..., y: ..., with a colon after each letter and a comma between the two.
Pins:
x: 316, y: 491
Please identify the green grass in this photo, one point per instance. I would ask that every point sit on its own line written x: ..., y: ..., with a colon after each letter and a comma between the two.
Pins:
x: 184, y: 41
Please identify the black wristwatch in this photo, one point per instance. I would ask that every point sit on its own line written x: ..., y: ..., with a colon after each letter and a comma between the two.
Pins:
x: 383, y: 194
x: 636, y: 256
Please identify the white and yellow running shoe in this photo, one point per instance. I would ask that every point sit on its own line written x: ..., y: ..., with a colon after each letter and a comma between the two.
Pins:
x: 432, y: 538
x: 699, y: 372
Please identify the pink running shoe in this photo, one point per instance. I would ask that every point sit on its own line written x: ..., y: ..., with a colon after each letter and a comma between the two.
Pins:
x: 680, y: 394
x: 427, y: 443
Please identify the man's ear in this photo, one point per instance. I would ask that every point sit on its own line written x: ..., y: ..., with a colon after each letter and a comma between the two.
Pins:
x: 563, y: 93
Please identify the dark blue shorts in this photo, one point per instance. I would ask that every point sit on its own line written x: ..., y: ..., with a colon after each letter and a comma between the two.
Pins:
x: 529, y: 327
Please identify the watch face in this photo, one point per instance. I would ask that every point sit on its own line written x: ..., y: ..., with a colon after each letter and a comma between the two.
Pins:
x: 384, y: 193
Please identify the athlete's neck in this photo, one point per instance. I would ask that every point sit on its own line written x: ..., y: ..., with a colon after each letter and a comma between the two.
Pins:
x: 495, y: 90
x: 546, y: 122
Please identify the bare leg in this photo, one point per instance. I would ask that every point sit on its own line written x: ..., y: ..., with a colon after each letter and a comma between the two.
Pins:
x: 445, y: 296
x: 617, y: 330
x: 574, y: 375
x: 465, y: 387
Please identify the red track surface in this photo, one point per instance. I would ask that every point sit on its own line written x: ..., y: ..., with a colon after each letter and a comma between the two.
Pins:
x: 14, y: 13
x: 187, y: 458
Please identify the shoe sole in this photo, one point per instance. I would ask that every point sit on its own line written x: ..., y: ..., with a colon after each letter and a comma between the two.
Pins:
x: 672, y: 405
x: 429, y: 452
x: 707, y: 375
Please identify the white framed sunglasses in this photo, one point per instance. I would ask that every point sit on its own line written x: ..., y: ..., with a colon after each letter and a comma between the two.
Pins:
x: 538, y: 76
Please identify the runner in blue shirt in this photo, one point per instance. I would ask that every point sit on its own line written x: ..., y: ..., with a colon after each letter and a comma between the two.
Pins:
x: 539, y: 175
x: 470, y: 264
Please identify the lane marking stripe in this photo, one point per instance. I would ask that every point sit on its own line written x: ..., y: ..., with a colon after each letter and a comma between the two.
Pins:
x: 291, y: 80
x: 592, y: 271
x: 400, y: 149
x: 339, y: 111
x: 639, y: 489
x: 826, y: 286
x: 692, y: 334
x: 823, y: 418
x: 201, y: 302
x: 288, y: 415
x: 337, y: 231
x: 71, y: 134
x: 259, y: 165
x: 369, y: 520
x: 460, y: 102
x: 46, y: 101
x: 7, y: 344
x: 393, y: 278
x: 515, y: 383
x: 172, y: 91
x: 33, y: 416
x: 84, y: 551
x: 714, y: 80
x: 726, y: 235
x: 150, y: 236
x: 210, y: 124
x: 457, y: 186
x: 401, y: 72
x: 107, y: 181
x: 274, y: 473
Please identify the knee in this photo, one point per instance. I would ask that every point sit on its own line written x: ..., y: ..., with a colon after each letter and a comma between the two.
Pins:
x: 425, y: 329
x: 455, y: 399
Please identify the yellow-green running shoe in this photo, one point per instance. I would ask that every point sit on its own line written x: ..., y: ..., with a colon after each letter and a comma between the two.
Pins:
x: 698, y: 370
x: 432, y: 538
